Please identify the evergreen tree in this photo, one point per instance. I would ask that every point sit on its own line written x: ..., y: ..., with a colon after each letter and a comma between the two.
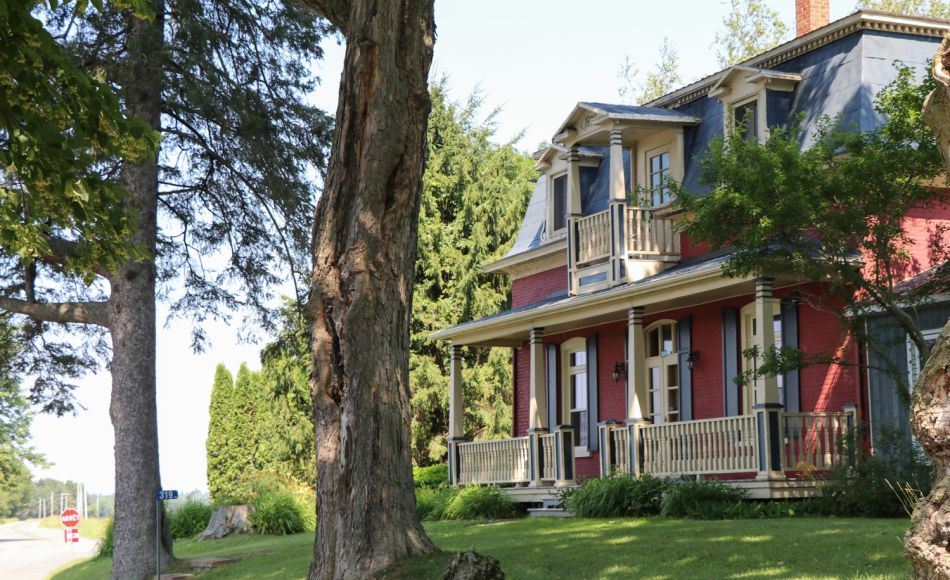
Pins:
x: 474, y: 197
x: 934, y: 8
x: 749, y: 29
x: 219, y: 442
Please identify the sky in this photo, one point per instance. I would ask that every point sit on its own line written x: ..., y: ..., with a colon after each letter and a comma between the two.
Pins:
x: 533, y: 59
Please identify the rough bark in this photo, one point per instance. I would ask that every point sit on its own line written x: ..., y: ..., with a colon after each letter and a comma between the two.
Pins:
x: 364, y: 257
x: 225, y: 521
x: 937, y: 106
x: 927, y: 544
x: 132, y: 317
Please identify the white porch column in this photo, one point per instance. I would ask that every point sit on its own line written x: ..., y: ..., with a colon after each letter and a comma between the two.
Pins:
x: 456, y: 401
x: 766, y: 406
x: 573, y: 212
x: 537, y: 406
x: 766, y: 388
x: 456, y: 413
x: 637, y: 393
x: 637, y: 400
x: 618, y: 210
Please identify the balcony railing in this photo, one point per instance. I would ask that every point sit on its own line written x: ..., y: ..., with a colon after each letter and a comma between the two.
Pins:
x: 648, y: 236
x: 593, y: 237
x: 815, y: 440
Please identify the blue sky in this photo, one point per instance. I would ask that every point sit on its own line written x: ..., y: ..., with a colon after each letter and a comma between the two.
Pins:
x: 534, y: 59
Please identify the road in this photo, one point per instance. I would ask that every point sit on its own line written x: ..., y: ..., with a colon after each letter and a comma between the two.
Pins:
x: 29, y: 552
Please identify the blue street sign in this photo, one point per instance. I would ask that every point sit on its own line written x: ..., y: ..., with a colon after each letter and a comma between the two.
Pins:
x: 164, y: 494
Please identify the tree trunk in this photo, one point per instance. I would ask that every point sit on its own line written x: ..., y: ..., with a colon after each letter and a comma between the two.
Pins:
x: 927, y: 544
x: 132, y: 310
x: 363, y: 270
x: 928, y: 539
x: 225, y: 521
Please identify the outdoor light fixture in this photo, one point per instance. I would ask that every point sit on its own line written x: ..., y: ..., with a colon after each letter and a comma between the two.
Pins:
x: 620, y: 370
x: 692, y: 358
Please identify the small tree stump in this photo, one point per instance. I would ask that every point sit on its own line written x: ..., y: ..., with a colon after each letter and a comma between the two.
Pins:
x: 225, y: 521
x: 473, y: 566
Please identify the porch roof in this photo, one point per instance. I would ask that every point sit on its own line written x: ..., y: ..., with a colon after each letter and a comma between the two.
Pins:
x: 676, y: 287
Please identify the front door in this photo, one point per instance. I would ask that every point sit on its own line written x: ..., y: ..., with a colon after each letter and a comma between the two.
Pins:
x: 663, y: 372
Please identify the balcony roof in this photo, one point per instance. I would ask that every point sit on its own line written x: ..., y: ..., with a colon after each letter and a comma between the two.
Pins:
x: 588, y: 116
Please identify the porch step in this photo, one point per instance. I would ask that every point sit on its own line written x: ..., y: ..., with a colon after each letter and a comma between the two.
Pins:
x: 549, y: 513
x: 551, y: 502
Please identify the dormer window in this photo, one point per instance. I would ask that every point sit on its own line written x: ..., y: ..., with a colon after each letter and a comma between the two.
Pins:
x: 559, y: 187
x: 659, y: 178
x: 745, y: 118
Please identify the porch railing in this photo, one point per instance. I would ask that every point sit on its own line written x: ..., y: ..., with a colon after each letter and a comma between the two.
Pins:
x: 723, y: 445
x: 815, y: 440
x: 648, y: 236
x: 593, y: 237
x: 498, y: 461
x: 548, y: 457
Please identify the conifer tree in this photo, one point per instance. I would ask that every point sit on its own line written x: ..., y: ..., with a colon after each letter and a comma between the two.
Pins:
x: 219, y: 441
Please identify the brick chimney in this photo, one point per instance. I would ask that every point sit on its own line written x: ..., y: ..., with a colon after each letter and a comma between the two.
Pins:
x: 809, y: 15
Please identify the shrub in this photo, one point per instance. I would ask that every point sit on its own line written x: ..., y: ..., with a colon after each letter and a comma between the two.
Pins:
x: 104, y: 548
x: 431, y: 502
x: 277, y: 512
x: 702, y: 499
x: 866, y: 487
x: 615, y: 496
x: 478, y: 502
x: 431, y: 476
x: 189, y: 519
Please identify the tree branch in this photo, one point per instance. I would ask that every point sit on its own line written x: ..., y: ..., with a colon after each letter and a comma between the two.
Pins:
x: 62, y: 312
x: 336, y: 11
x: 61, y: 250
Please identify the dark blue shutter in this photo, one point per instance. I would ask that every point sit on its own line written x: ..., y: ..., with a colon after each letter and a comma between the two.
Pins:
x: 592, y: 413
x: 790, y: 339
x: 684, y: 340
x: 730, y: 360
x: 551, y: 379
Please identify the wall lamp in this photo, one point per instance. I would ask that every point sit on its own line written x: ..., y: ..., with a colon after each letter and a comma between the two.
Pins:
x: 620, y: 370
x: 692, y: 358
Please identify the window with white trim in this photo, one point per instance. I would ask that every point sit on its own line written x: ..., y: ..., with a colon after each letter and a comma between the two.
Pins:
x: 914, y: 363
x: 662, y: 367
x: 746, y: 118
x: 659, y: 176
x: 574, y: 391
x: 750, y: 328
x: 559, y: 202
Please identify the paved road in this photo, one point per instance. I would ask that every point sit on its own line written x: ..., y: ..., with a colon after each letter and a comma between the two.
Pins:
x: 29, y: 552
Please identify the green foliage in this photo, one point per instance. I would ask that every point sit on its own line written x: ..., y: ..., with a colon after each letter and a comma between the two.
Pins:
x: 431, y: 476
x: 270, y: 488
x: 866, y: 488
x: 479, y: 502
x: 431, y: 502
x: 662, y: 79
x: 702, y: 499
x: 104, y: 547
x: 222, y: 478
x: 190, y: 518
x: 814, y: 212
x: 473, y: 200
x: 619, y: 495
x: 750, y: 28
x: 935, y: 8
x: 279, y: 512
x: 59, y: 126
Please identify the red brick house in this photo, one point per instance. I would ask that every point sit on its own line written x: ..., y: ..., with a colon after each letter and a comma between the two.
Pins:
x: 627, y: 338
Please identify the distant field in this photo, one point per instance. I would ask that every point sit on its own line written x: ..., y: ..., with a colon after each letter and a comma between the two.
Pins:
x: 92, y: 528
x: 622, y: 548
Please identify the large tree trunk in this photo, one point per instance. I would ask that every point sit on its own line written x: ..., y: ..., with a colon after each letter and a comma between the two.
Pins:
x: 364, y: 259
x: 937, y: 105
x: 132, y: 310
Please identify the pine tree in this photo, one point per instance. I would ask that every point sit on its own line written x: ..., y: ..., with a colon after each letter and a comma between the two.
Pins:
x: 218, y: 443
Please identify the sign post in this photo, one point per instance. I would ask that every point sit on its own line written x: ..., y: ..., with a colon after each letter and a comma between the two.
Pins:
x: 70, y: 519
x: 160, y: 496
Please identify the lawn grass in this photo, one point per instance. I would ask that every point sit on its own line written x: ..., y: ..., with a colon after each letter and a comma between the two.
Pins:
x: 622, y: 548
x: 92, y: 528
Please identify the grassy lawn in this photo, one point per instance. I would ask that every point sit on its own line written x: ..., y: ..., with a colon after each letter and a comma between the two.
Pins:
x: 577, y: 548
x: 92, y: 528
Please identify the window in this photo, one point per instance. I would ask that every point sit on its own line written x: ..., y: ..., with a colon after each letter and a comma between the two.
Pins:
x: 560, y: 203
x: 750, y: 328
x: 745, y: 117
x: 663, y: 372
x: 659, y: 176
x: 914, y: 364
x: 574, y: 395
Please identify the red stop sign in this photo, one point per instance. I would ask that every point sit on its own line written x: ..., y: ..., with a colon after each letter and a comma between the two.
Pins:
x: 69, y: 517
